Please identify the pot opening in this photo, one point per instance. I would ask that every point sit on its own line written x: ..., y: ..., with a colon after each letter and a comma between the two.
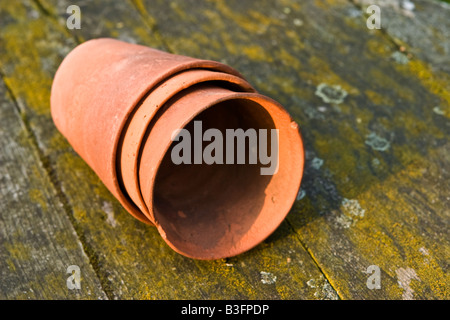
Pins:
x: 209, y: 210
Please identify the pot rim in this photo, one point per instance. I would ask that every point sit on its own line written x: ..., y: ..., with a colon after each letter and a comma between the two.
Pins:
x: 276, y: 111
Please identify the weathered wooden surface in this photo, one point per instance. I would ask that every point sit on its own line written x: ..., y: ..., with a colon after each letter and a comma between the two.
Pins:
x: 375, y: 190
x: 38, y: 241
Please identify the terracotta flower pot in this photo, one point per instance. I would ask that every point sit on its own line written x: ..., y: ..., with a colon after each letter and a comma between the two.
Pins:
x: 119, y: 104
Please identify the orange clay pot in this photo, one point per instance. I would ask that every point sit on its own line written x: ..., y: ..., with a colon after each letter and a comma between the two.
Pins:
x: 118, y: 105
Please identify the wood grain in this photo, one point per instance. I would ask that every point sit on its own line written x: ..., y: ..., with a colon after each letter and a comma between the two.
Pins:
x: 373, y: 106
x: 376, y: 190
x: 130, y: 258
x: 37, y: 240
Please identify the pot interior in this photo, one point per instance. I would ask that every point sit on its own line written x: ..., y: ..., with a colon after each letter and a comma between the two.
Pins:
x: 209, y: 210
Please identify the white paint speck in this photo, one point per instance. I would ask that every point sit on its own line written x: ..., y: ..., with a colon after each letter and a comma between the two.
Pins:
x: 424, y: 251
x: 316, y: 163
x: 322, y: 108
x: 297, y: 22
x: 438, y: 111
x: 311, y: 283
x: 353, y: 207
x: 301, y: 194
x: 323, y: 289
x: 404, y: 279
x: 344, y: 221
x: 408, y: 5
x: 400, y: 58
x: 268, y: 278
x: 109, y: 210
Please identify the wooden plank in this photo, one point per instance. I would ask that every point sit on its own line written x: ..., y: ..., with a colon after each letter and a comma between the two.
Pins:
x: 376, y: 181
x: 104, y: 19
x: 37, y: 240
x: 422, y: 27
x: 130, y: 258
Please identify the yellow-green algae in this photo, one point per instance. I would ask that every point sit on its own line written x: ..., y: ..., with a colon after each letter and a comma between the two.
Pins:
x: 373, y: 240
x: 21, y: 62
x: 338, y: 168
